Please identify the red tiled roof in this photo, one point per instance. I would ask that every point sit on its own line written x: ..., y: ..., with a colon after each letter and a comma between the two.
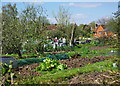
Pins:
x: 52, y: 27
x: 105, y: 31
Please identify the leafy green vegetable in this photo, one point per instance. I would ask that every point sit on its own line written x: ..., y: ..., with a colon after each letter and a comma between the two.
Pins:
x: 50, y: 64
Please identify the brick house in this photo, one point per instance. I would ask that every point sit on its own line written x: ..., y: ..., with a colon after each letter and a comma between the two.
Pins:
x: 101, y: 31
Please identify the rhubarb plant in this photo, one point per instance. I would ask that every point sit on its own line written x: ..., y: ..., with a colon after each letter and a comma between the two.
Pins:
x: 50, y: 64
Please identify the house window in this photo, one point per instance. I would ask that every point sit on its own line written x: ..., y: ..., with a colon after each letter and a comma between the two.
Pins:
x: 106, y: 33
x: 100, y: 32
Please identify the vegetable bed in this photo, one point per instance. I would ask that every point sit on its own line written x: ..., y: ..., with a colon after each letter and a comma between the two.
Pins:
x: 22, y: 62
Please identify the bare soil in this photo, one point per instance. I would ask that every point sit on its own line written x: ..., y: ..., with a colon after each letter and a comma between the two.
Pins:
x: 103, y: 78
x: 79, y: 62
x: 99, y: 47
x: 25, y: 72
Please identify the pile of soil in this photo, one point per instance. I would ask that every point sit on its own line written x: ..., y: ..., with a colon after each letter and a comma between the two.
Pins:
x: 79, y: 62
x: 96, y: 78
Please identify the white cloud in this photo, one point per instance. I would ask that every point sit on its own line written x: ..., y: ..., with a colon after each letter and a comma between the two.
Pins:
x: 79, y: 16
x: 71, y: 4
x: 84, y: 5
x: 90, y: 5
x: 36, y: 3
x: 52, y: 20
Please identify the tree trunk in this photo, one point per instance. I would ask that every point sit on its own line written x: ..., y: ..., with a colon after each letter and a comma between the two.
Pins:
x: 72, y: 35
x: 19, y: 53
x: 118, y: 43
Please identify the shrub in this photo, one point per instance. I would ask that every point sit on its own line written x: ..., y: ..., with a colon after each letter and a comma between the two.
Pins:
x: 50, y: 64
x: 7, y: 74
x: 49, y: 48
x: 95, y: 42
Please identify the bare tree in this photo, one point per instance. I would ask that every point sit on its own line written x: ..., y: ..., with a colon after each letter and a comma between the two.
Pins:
x: 63, y: 16
x: 103, y: 21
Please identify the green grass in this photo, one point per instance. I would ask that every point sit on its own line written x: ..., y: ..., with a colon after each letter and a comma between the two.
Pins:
x: 15, y: 55
x: 66, y: 74
x: 84, y: 51
x: 107, y: 49
x: 96, y: 55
